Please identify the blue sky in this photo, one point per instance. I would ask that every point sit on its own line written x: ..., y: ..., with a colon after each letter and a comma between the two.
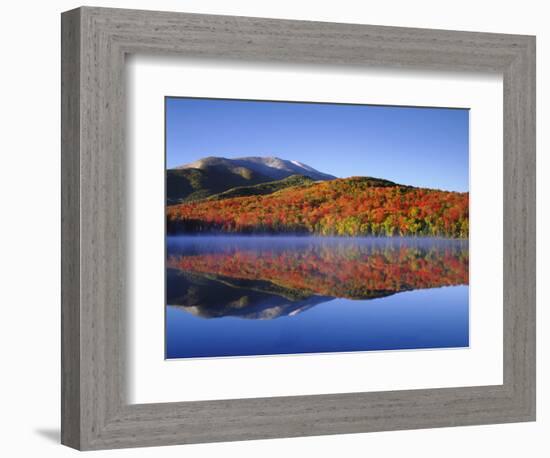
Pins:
x: 425, y: 147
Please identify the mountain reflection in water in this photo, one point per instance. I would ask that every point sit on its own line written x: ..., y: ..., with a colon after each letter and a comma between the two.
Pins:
x: 270, y: 277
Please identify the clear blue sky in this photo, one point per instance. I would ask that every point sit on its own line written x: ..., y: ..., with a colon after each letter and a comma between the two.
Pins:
x: 425, y: 147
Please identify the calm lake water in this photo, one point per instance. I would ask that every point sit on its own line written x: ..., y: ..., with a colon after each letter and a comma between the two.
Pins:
x: 246, y: 295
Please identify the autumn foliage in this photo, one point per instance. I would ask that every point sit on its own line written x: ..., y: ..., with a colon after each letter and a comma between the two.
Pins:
x: 355, y: 206
x: 349, y: 272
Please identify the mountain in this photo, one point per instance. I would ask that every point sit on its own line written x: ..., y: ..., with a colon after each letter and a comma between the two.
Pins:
x: 263, y: 188
x: 356, y: 206
x: 214, y: 175
x: 272, y: 167
x: 183, y: 185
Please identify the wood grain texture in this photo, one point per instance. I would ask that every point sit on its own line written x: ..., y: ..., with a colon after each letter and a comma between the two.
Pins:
x: 70, y: 229
x: 96, y: 414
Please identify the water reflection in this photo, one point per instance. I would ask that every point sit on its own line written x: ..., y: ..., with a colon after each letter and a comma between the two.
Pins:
x: 269, y: 277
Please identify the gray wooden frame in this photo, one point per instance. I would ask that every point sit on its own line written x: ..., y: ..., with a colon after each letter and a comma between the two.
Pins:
x: 95, y: 414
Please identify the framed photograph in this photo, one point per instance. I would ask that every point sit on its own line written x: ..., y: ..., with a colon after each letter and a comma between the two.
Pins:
x: 265, y: 239
x: 279, y: 228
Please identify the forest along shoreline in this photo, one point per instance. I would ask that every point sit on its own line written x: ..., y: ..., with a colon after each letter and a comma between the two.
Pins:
x: 206, y: 200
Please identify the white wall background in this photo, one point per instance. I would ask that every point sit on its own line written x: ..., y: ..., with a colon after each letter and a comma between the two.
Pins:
x: 29, y: 241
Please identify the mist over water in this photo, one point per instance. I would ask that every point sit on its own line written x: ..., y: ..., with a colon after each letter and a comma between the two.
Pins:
x: 208, y: 243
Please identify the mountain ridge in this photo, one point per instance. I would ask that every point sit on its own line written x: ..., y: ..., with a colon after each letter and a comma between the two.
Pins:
x: 270, y: 166
x: 268, y: 187
x: 214, y: 175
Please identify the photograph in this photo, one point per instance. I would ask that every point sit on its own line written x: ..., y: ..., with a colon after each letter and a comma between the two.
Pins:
x: 303, y: 228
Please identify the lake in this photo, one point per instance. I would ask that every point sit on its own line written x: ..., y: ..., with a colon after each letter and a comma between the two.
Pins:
x: 267, y: 295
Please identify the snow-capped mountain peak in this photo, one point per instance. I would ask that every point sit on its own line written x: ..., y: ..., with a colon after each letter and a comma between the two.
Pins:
x: 273, y: 167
